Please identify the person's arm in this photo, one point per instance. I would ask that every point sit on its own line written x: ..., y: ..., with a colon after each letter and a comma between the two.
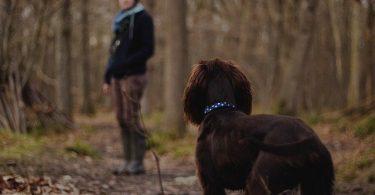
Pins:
x: 108, y: 72
x: 110, y: 64
x: 107, y: 79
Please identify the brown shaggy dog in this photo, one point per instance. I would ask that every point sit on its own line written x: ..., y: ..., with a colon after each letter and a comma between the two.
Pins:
x: 260, y: 154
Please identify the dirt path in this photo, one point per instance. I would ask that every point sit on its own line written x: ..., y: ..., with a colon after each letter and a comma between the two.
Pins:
x: 88, y: 175
x: 178, y: 174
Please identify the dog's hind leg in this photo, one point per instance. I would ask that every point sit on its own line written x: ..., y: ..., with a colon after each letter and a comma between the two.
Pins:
x: 270, y: 174
x: 319, y: 179
x: 318, y: 183
x: 257, y: 186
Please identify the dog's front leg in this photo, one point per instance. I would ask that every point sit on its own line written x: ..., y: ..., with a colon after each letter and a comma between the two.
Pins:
x: 210, y: 187
x: 213, y: 190
x: 206, y: 173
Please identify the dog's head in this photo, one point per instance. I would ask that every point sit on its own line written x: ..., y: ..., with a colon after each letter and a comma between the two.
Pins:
x: 212, y: 81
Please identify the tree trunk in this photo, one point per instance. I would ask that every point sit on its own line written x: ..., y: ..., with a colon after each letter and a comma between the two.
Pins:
x: 338, y: 12
x: 247, y: 33
x: 11, y: 106
x: 150, y: 6
x: 88, y: 105
x: 175, y: 68
x: 346, y: 47
x: 16, y: 74
x: 370, y: 46
x: 49, y: 117
x: 147, y: 101
x: 335, y: 25
x: 276, y: 32
x: 12, y: 114
x: 65, y: 94
x: 208, y: 35
x: 355, y: 91
x: 293, y: 87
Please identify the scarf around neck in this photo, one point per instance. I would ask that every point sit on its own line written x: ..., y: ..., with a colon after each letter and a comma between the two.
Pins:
x: 125, y: 13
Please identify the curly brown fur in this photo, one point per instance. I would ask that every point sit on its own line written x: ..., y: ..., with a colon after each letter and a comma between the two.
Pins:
x: 260, y: 154
x: 197, y: 88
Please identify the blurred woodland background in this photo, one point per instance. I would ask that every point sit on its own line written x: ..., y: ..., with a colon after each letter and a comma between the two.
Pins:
x: 308, y: 58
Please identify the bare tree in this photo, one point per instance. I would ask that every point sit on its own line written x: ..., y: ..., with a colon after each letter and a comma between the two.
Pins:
x: 64, y: 91
x: 88, y: 104
x: 355, y: 63
x: 247, y: 36
x: 294, y: 79
x: 11, y: 106
x: 339, y: 12
x: 370, y: 40
x: 22, y: 52
x: 175, y: 65
x: 148, y: 100
x: 368, y: 57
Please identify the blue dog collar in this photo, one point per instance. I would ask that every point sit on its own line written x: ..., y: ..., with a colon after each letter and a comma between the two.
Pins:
x: 218, y: 105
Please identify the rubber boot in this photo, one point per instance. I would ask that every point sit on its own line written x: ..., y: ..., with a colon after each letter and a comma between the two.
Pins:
x: 127, y: 150
x: 138, y: 152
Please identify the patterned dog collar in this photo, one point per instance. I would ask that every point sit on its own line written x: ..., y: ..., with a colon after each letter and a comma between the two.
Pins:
x: 218, y: 105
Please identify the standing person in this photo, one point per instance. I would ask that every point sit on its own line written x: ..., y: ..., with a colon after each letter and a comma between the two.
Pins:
x: 125, y: 74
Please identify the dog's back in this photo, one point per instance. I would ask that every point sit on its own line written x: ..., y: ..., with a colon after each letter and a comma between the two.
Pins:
x: 232, y: 159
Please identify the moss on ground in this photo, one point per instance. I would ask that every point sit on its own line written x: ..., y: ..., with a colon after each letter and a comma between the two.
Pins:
x: 16, y: 146
x: 83, y: 149
x: 361, y: 168
x: 365, y: 127
x: 166, y: 143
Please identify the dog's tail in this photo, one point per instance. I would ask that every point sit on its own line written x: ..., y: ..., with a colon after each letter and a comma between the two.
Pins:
x: 320, y: 178
x: 294, y: 148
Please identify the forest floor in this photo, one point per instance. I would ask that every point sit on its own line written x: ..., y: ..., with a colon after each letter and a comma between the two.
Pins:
x: 81, y: 161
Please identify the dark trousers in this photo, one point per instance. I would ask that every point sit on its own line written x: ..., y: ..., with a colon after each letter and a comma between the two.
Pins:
x: 127, y: 94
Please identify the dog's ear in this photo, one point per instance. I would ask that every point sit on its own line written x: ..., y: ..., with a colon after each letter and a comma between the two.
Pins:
x: 242, y: 89
x: 194, y: 95
x: 196, y: 89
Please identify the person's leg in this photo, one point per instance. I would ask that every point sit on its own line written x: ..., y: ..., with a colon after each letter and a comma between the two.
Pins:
x: 138, y: 151
x: 135, y: 86
x: 119, y: 104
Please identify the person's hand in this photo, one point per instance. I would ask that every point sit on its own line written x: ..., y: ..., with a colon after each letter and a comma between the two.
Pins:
x: 106, y: 89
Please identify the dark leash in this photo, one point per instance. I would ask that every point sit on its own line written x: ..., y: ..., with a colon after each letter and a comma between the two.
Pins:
x: 156, y: 157
x: 147, y: 135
